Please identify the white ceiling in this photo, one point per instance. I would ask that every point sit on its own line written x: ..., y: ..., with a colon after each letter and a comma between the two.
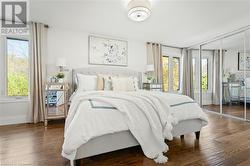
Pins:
x: 176, y: 23
x: 237, y: 42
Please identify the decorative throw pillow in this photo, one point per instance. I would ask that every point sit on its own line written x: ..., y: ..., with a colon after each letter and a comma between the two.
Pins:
x: 123, y: 84
x: 135, y: 83
x: 100, y: 83
x: 86, y: 82
x: 107, y: 82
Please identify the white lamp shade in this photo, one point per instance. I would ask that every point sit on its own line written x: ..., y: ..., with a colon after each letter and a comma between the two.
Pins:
x: 139, y: 10
x: 150, y: 68
x: 61, y: 62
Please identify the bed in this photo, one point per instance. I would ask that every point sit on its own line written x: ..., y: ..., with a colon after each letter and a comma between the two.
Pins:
x: 124, y: 139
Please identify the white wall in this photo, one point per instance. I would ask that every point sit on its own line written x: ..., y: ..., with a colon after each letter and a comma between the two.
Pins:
x: 14, y: 112
x: 72, y: 45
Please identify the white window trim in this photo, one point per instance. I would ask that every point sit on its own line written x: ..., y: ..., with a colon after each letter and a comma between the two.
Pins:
x: 3, y: 86
x: 170, y: 72
x: 197, y: 68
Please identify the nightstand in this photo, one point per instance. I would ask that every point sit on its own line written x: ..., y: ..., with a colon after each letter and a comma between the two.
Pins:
x: 152, y: 86
x: 56, y: 101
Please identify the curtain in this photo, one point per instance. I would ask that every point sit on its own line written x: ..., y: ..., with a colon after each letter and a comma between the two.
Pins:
x: 187, y: 82
x: 154, y: 57
x: 37, y: 73
x: 216, y: 77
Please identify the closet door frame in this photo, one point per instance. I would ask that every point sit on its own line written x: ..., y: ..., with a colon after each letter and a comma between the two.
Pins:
x: 221, y: 38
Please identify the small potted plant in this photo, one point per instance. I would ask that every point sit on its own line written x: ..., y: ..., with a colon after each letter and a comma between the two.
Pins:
x: 60, y: 77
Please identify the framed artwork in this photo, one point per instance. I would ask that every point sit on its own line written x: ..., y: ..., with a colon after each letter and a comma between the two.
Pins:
x: 241, y: 61
x: 107, y: 51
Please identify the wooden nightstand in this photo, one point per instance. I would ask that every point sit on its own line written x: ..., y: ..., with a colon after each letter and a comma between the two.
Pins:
x: 152, y: 86
x: 56, y: 101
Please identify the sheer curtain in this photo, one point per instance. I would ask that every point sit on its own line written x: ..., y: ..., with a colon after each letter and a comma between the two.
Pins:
x: 155, y: 58
x: 187, y: 82
x: 37, y: 70
x: 216, y: 76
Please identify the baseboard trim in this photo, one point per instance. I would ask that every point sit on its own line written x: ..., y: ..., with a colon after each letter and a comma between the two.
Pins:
x: 14, y: 120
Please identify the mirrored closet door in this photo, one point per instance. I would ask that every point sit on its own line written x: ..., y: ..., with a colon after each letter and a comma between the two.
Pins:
x: 210, y: 76
x: 233, y: 76
x: 225, y: 75
x: 247, y: 79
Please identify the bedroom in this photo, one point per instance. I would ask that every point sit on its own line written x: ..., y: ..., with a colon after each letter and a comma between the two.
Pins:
x: 195, y: 48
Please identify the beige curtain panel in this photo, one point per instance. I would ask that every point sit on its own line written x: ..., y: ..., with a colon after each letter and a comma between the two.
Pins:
x: 154, y: 57
x: 187, y: 82
x: 38, y: 74
x: 216, y: 77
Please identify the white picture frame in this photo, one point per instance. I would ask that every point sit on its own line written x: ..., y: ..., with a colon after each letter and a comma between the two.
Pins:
x: 107, y: 51
x: 241, y: 61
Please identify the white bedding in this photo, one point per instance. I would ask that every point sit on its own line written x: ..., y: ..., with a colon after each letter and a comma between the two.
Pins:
x: 148, y: 115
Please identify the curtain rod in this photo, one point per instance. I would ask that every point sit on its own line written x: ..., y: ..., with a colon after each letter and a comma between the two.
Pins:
x: 242, y: 29
x: 165, y: 45
x: 171, y: 46
x: 45, y: 25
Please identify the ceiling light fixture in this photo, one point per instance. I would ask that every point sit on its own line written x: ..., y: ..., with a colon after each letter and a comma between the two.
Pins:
x: 139, y: 10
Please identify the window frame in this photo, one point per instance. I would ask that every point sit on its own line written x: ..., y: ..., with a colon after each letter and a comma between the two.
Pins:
x: 179, y: 72
x: 170, y: 73
x: 166, y: 56
x: 208, y: 78
x: 3, y: 57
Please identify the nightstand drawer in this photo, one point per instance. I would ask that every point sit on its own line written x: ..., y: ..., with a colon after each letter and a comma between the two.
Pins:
x: 152, y: 86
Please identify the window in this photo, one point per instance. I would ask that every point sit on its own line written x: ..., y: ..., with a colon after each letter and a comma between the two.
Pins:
x: 204, y: 80
x: 176, y: 73
x: 171, y: 73
x: 165, y: 64
x: 17, y: 79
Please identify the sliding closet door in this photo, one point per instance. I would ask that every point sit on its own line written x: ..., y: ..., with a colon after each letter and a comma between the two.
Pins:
x: 233, y: 76
x: 210, y: 76
x: 247, y: 79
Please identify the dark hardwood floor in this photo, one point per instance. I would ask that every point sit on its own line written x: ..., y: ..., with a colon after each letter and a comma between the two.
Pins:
x: 223, y: 142
x: 236, y: 110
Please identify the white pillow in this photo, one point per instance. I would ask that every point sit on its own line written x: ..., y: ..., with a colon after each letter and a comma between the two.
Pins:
x: 86, y: 82
x: 135, y: 83
x: 123, y: 84
x: 107, y: 82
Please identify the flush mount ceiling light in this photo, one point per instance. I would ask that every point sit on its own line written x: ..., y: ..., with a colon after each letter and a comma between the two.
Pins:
x: 139, y: 10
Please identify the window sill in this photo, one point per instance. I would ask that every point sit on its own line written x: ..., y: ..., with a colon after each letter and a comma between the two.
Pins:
x: 13, y: 99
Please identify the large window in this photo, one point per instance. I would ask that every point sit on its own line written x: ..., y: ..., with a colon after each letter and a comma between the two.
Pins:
x: 204, y: 80
x: 165, y: 65
x: 17, y: 51
x: 171, y: 73
x: 176, y: 73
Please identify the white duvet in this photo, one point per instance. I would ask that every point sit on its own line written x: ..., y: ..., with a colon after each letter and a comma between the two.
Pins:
x: 149, y: 116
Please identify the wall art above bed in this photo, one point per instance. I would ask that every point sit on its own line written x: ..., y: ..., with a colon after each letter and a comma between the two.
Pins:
x: 107, y: 51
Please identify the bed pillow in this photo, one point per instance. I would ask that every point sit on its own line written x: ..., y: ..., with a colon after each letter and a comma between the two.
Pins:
x: 107, y: 82
x: 123, y: 84
x: 86, y: 82
x: 135, y: 83
x: 100, y: 83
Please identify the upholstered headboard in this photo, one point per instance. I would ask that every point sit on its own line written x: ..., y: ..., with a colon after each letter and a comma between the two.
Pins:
x: 112, y: 71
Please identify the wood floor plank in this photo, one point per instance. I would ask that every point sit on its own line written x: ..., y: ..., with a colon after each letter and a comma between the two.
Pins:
x: 223, y: 142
